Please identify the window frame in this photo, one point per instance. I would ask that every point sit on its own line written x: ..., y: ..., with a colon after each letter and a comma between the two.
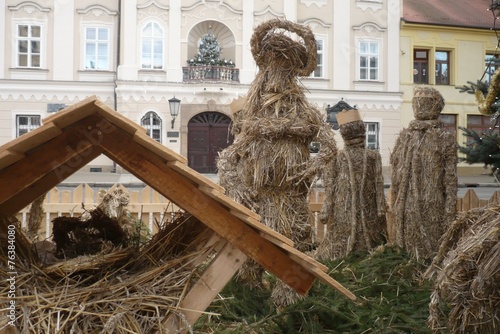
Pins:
x: 151, y: 40
x: 152, y: 115
x: 109, y: 46
x: 376, y: 133
x: 369, y: 54
x: 448, y: 125
x: 29, y: 127
x: 438, y: 65
x: 421, y: 61
x: 321, y: 60
x: 489, y: 66
x: 28, y: 39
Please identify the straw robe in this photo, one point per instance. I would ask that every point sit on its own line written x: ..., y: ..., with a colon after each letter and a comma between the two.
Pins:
x: 354, y: 205
x: 424, y: 178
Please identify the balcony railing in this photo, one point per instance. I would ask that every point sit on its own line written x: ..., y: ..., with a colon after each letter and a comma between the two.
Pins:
x: 211, y: 74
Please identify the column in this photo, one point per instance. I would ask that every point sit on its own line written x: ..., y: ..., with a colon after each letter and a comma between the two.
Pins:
x: 128, y: 70
x: 393, y: 17
x: 174, y: 67
x: 343, y: 49
x: 247, y: 66
x: 63, y: 49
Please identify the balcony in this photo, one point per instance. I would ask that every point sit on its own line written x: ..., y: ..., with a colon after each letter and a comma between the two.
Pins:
x: 224, y: 74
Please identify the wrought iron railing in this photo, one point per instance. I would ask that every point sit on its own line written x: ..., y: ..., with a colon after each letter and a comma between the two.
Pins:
x: 211, y: 74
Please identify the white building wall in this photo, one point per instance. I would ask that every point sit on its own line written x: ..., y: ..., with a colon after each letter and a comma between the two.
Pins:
x: 132, y: 91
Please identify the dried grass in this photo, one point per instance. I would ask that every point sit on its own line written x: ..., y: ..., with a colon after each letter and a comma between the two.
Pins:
x: 424, y: 179
x: 467, y: 281
x: 126, y: 290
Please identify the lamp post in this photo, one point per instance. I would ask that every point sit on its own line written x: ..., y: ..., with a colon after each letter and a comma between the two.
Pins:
x: 331, y: 112
x: 174, y: 105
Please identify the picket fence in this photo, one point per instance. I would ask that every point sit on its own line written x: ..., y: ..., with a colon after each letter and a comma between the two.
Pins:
x: 154, y: 209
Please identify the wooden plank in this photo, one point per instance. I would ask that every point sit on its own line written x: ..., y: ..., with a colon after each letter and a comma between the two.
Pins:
x: 151, y: 169
x: 470, y: 200
x: 154, y: 146
x: 325, y: 278
x: 214, y: 278
x: 199, y: 179
x: 221, y: 197
x: 8, y: 157
x: 67, y: 149
x: 118, y: 119
x: 495, y: 197
x: 46, y: 182
x: 32, y: 139
x: 73, y: 113
x: 262, y: 228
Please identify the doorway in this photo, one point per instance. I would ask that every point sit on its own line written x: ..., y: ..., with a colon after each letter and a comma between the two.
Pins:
x: 208, y: 134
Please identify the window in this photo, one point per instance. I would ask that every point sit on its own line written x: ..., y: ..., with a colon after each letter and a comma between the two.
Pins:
x: 480, y: 123
x: 442, y: 67
x: 26, y: 123
x: 492, y: 63
x: 152, y: 123
x: 450, y: 123
x: 29, y: 45
x: 152, y: 46
x: 319, y: 70
x: 420, y: 66
x: 97, y: 48
x: 368, y: 60
x: 372, y: 135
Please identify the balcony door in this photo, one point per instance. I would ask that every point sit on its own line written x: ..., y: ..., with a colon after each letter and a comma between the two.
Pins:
x: 208, y: 134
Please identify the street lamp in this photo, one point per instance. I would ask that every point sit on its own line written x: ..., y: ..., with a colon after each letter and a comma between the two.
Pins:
x: 174, y: 104
x: 331, y: 112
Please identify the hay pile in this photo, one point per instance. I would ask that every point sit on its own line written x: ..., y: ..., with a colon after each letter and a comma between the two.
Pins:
x: 354, y: 204
x: 467, y: 270
x: 117, y: 290
x: 424, y: 178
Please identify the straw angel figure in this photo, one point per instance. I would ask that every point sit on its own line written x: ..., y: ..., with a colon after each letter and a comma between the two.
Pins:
x: 354, y: 205
x: 424, y: 177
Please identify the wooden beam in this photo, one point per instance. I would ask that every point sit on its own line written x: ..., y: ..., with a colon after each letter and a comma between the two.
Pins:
x: 153, y: 170
x: 33, y: 138
x: 8, y: 157
x: 46, y: 182
x: 68, y: 149
x: 69, y: 116
x: 212, y: 281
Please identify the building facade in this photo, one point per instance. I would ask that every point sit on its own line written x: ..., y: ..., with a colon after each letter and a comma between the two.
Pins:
x: 137, y: 55
x: 447, y: 45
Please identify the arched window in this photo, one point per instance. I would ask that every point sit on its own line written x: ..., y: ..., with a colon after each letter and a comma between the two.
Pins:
x: 152, y: 123
x: 152, y: 46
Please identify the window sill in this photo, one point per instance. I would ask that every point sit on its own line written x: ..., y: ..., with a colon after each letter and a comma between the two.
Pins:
x: 28, y: 73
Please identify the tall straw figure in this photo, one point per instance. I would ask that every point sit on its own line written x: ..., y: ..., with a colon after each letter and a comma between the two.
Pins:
x: 424, y: 177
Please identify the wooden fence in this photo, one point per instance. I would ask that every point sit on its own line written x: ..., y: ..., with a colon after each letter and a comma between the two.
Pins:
x: 152, y: 208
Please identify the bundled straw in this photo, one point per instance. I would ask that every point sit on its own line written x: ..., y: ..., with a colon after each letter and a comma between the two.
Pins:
x: 274, y: 130
x: 424, y: 178
x: 126, y: 290
x: 468, y: 276
x: 354, y: 197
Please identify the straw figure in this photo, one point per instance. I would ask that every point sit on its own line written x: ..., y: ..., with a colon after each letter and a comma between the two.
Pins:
x: 354, y: 205
x: 275, y: 128
x: 467, y: 275
x: 424, y: 178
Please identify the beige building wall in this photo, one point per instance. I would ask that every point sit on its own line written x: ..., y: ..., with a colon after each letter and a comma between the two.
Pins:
x: 62, y: 78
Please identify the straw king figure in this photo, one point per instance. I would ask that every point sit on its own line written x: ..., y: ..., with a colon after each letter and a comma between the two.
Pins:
x: 424, y: 177
x: 354, y: 205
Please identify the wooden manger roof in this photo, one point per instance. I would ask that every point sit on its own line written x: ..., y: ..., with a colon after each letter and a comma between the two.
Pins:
x: 34, y: 163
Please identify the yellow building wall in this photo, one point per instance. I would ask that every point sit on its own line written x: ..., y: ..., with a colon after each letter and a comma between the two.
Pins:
x: 468, y: 48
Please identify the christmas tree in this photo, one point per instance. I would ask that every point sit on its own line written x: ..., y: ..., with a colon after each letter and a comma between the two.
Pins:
x: 484, y: 147
x: 209, y: 52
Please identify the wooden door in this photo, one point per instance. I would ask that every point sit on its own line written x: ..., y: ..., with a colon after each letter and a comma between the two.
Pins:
x: 208, y: 134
